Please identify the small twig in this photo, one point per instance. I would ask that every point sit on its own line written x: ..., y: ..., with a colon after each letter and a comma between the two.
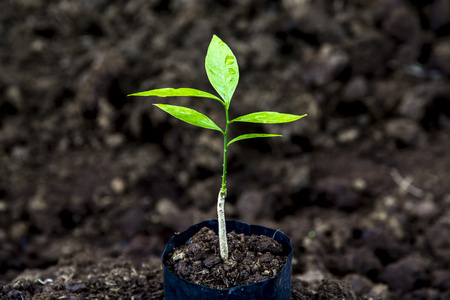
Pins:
x: 405, y: 184
x: 45, y: 281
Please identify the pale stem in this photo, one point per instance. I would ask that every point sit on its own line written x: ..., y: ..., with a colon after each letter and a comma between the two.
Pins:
x: 223, y: 245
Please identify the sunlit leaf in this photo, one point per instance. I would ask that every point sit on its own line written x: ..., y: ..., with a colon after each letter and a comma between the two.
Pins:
x: 189, y: 115
x: 268, y: 117
x: 181, y: 92
x: 252, y: 136
x: 222, y: 69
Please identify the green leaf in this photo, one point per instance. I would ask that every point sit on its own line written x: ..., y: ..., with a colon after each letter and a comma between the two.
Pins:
x: 222, y: 69
x: 189, y: 115
x: 251, y: 136
x: 171, y: 92
x: 267, y: 117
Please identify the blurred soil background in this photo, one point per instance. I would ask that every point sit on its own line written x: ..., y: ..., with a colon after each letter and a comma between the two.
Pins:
x: 90, y: 178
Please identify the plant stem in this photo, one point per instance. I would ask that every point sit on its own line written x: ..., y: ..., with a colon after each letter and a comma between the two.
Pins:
x: 223, y: 245
x: 225, y: 148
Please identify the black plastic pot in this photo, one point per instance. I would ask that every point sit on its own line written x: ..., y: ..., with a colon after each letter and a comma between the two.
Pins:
x: 278, y: 287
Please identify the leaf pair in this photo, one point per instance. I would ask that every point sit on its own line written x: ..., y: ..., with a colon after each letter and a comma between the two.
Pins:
x: 223, y: 73
x: 263, y: 117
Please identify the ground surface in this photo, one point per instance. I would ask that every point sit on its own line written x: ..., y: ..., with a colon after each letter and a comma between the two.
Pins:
x: 92, y: 184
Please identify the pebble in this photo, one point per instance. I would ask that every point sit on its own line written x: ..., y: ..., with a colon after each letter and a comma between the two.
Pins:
x: 321, y: 67
x: 355, y: 89
x: 402, y: 275
x: 369, y: 52
x: 20, y: 153
x: 118, y: 185
x: 438, y: 14
x: 415, y: 102
x: 312, y: 21
x: 403, y: 24
x: 3, y: 206
x: 18, y: 230
x: 359, y: 184
x: 358, y: 261
x: 348, y: 135
x: 14, y: 95
x: 363, y: 287
x: 312, y: 277
x: 438, y: 237
x: 114, y: 140
x: 178, y: 255
x: 441, y: 279
x: 441, y: 55
x: 426, y: 209
x: 165, y: 206
x: 335, y: 192
x: 405, y: 131
x: 297, y: 178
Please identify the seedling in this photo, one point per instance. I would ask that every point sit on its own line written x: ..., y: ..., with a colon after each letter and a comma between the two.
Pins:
x: 223, y: 74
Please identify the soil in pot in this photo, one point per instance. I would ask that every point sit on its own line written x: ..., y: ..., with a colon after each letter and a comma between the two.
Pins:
x: 251, y: 259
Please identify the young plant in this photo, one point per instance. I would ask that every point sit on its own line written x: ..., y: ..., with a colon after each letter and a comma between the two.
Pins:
x: 223, y: 74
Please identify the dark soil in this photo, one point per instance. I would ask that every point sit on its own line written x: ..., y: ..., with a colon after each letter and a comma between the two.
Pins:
x: 89, y: 276
x: 93, y: 184
x: 251, y: 259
